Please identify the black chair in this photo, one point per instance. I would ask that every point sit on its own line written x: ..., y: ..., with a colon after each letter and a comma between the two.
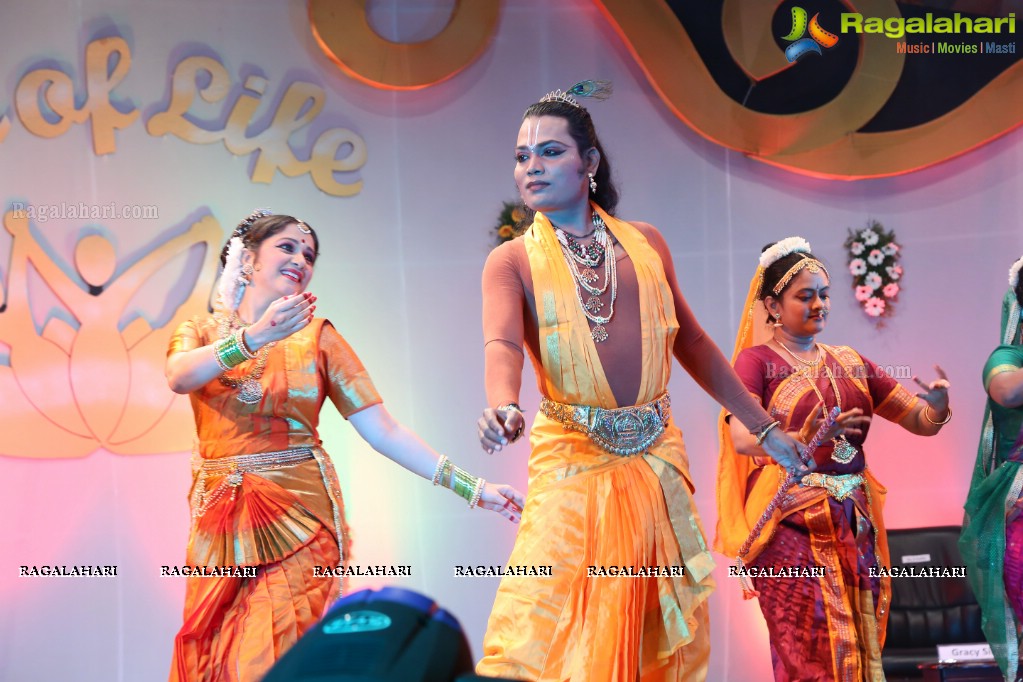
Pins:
x: 926, y: 612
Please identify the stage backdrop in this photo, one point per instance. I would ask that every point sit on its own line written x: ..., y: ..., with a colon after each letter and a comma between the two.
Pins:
x: 134, y: 136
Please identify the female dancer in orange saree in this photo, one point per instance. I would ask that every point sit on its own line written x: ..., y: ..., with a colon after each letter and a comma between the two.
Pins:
x: 266, y: 503
x: 608, y: 474
x: 833, y: 519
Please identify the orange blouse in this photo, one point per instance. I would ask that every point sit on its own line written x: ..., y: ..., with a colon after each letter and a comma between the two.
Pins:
x: 301, y: 372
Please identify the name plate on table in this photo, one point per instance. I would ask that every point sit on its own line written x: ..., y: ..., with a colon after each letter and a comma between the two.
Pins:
x: 965, y: 652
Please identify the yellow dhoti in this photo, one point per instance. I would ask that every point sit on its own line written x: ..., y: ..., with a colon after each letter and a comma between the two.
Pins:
x: 590, y: 512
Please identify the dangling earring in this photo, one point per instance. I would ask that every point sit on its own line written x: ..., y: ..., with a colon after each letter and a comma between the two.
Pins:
x: 593, y: 185
x: 777, y: 320
x: 246, y: 276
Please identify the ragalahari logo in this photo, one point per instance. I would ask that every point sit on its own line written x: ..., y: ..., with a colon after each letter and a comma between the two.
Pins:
x: 802, y: 46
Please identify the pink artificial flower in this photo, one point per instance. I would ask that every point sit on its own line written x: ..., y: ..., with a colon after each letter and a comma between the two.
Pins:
x: 874, y: 307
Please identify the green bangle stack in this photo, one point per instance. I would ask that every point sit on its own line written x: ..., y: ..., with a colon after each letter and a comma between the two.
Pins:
x: 228, y: 353
x: 465, y: 485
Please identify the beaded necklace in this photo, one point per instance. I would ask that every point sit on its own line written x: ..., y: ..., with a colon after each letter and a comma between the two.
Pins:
x: 601, y: 248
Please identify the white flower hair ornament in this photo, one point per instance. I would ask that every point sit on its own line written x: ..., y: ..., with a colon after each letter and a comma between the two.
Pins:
x: 232, y: 282
x: 782, y: 249
x: 1014, y: 273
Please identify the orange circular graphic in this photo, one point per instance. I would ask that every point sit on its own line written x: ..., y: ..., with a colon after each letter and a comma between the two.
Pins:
x: 342, y: 29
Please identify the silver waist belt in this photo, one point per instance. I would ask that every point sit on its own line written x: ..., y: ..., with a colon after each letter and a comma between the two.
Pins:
x: 234, y: 468
x: 260, y: 461
x: 620, y: 431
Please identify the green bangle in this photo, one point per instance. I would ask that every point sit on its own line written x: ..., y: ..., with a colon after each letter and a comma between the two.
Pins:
x: 464, y: 484
x: 228, y: 354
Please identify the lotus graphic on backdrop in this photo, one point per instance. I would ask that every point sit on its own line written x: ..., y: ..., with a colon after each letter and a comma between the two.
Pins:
x: 83, y: 341
x: 802, y: 46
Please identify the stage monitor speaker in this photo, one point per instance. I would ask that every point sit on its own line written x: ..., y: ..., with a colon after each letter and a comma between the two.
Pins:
x: 390, y: 635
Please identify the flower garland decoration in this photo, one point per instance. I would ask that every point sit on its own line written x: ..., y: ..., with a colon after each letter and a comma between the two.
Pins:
x: 873, y: 256
x: 509, y: 222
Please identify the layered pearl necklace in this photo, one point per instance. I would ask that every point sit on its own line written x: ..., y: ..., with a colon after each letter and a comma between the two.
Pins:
x: 600, y: 249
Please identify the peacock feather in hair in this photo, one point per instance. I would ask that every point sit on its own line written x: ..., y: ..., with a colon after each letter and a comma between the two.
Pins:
x: 591, y: 89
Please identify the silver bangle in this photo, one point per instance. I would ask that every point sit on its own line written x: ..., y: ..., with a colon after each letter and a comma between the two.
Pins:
x: 766, y: 430
x: 478, y: 493
x: 440, y: 467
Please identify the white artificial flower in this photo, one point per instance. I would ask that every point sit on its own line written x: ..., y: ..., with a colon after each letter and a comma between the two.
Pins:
x: 875, y: 257
x: 230, y: 289
x: 869, y: 237
x: 1014, y: 273
x: 873, y: 280
x: 890, y: 249
x: 857, y: 266
x: 856, y: 248
x: 782, y: 249
x: 894, y: 271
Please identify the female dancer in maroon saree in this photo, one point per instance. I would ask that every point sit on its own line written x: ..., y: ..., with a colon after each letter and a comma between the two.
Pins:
x: 832, y: 521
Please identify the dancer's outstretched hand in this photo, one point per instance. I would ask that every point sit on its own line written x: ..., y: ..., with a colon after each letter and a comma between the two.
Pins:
x: 282, y: 318
x: 503, y: 499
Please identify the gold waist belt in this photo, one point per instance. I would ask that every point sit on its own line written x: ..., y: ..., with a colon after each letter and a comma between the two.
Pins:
x: 234, y: 468
x: 620, y: 431
x: 838, y: 486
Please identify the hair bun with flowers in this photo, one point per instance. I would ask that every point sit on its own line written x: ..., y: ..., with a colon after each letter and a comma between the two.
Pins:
x: 782, y: 249
x: 232, y: 280
x: 1014, y: 272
